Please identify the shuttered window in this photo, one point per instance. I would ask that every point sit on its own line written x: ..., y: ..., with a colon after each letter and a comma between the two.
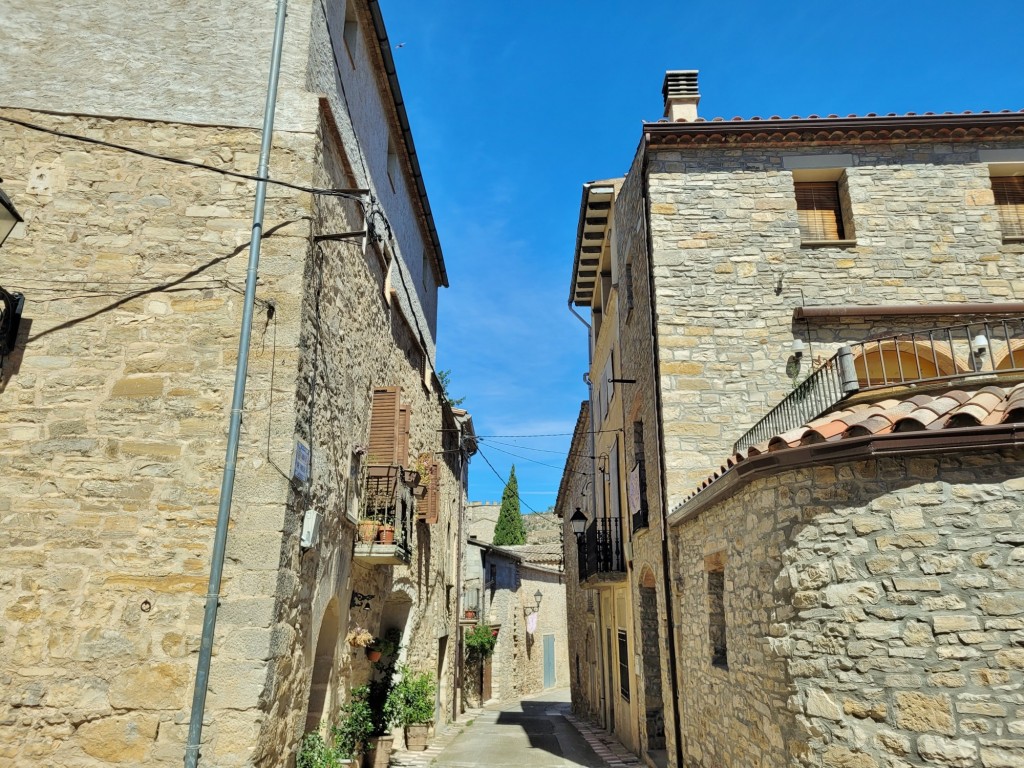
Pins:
x: 404, y: 416
x: 431, y: 509
x: 1009, y: 194
x: 819, y: 210
x: 384, y: 427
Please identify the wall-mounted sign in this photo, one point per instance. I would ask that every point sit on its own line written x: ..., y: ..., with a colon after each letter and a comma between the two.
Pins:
x: 301, y: 461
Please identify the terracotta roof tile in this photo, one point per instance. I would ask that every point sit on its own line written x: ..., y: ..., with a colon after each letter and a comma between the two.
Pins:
x: 987, y: 406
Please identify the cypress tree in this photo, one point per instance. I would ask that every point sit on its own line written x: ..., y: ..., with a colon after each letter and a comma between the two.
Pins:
x: 510, y: 529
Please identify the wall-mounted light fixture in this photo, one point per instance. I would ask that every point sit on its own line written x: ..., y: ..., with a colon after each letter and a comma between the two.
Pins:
x: 979, y: 347
x: 578, y: 521
x: 9, y: 216
x: 359, y: 600
x: 798, y: 348
x: 537, y: 597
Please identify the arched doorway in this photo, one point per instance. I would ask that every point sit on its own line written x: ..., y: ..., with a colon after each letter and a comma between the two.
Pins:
x: 323, y: 666
x: 654, y: 716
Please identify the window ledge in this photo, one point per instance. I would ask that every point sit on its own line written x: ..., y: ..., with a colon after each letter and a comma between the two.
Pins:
x: 827, y: 243
x: 1013, y: 239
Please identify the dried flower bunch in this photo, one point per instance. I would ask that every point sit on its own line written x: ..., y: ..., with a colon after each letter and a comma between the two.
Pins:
x: 359, y: 637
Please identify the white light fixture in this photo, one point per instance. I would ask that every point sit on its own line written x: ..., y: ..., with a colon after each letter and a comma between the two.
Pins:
x: 798, y: 348
x: 979, y: 345
x: 9, y: 216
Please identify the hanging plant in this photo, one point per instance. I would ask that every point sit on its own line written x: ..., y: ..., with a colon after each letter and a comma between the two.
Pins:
x: 480, y: 642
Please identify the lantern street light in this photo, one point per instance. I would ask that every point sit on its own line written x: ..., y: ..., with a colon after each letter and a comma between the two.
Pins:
x: 9, y: 216
x: 578, y: 521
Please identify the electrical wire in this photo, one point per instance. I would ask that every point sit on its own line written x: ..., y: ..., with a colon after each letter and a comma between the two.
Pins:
x: 534, y: 461
x: 504, y: 480
x: 358, y: 195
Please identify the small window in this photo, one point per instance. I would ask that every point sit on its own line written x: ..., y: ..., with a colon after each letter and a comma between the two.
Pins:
x: 623, y: 664
x: 821, y: 216
x: 1009, y: 197
x: 714, y: 571
x: 393, y: 167
x: 629, y: 286
x: 351, y: 32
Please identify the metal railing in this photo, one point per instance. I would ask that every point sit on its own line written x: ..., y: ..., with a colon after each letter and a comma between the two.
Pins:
x: 825, y: 387
x: 392, y: 510
x: 909, y: 358
x: 600, y: 549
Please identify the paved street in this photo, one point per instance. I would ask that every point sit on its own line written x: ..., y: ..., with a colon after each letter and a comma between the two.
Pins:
x: 533, y: 732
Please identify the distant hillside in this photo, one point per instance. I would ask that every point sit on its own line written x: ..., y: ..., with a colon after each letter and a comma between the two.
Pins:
x: 543, y: 528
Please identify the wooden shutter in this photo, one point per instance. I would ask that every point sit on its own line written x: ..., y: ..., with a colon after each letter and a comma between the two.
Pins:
x: 1009, y: 194
x: 817, y: 207
x: 432, y: 501
x: 383, y: 445
x: 404, y: 420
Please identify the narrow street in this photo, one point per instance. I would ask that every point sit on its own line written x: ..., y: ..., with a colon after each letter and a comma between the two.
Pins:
x: 532, y: 732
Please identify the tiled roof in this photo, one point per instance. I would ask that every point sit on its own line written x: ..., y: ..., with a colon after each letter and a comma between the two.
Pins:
x: 857, y: 117
x: 536, y: 553
x: 927, y: 413
x: 833, y: 129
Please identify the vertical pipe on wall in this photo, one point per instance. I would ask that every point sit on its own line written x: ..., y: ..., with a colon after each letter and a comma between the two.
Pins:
x: 195, y: 726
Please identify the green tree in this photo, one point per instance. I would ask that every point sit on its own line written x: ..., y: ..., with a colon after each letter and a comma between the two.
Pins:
x: 445, y: 377
x: 509, y: 529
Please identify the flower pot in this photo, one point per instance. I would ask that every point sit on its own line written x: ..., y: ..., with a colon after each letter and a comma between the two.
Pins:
x: 373, y: 654
x: 386, y: 534
x: 416, y: 737
x: 419, y: 492
x: 367, y: 530
x: 411, y: 477
x: 378, y: 752
x: 470, y: 613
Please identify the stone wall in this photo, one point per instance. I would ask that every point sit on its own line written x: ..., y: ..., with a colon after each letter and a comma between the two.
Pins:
x: 550, y: 621
x: 873, y: 611
x: 115, y: 433
x: 729, y: 270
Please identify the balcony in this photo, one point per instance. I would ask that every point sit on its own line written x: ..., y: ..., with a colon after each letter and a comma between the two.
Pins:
x: 600, y: 553
x: 959, y: 354
x: 385, y: 518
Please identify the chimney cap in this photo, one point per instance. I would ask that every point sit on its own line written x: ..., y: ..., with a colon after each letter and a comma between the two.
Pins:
x: 681, y: 94
x: 680, y: 82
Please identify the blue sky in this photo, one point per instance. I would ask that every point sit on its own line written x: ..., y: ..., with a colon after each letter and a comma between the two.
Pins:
x: 514, y: 106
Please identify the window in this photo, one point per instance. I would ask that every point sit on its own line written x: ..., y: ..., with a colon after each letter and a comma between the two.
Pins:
x: 817, y: 205
x: 1009, y: 197
x: 351, y: 32
x: 393, y: 167
x: 623, y: 664
x: 629, y: 286
x: 714, y: 571
x: 822, y: 207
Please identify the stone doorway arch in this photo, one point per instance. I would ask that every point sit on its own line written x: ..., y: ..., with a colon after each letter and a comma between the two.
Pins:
x: 320, y: 687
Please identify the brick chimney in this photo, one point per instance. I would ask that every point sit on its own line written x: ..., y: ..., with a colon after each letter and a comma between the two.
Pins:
x: 681, y: 95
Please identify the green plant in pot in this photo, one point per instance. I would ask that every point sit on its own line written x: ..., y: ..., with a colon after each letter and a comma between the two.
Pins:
x: 480, y: 642
x: 347, y: 738
x: 410, y: 704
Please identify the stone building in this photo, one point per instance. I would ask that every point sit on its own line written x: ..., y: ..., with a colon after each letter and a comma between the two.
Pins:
x: 519, y: 592
x: 115, y: 401
x: 819, y: 343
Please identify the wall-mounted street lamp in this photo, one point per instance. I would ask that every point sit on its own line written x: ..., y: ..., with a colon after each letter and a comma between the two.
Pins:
x: 537, y: 597
x: 578, y: 521
x: 979, y: 346
x: 11, y: 304
x: 9, y: 216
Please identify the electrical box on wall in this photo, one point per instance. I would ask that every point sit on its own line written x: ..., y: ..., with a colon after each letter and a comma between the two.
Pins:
x: 310, y: 528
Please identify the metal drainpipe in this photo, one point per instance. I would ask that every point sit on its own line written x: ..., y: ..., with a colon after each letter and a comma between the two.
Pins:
x: 195, y: 725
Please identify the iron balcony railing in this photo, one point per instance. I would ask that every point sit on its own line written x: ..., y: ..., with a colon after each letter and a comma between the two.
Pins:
x: 909, y: 358
x: 600, y: 548
x: 386, y: 501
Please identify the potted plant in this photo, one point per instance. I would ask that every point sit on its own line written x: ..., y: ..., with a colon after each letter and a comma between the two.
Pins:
x: 355, y: 724
x: 480, y: 642
x: 470, y: 613
x: 410, y: 704
x: 411, y: 477
x: 359, y: 637
x: 386, y: 533
x: 347, y: 739
x: 367, y: 528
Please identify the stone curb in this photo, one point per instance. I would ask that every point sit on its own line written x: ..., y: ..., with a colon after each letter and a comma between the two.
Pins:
x: 405, y: 759
x: 607, y: 747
